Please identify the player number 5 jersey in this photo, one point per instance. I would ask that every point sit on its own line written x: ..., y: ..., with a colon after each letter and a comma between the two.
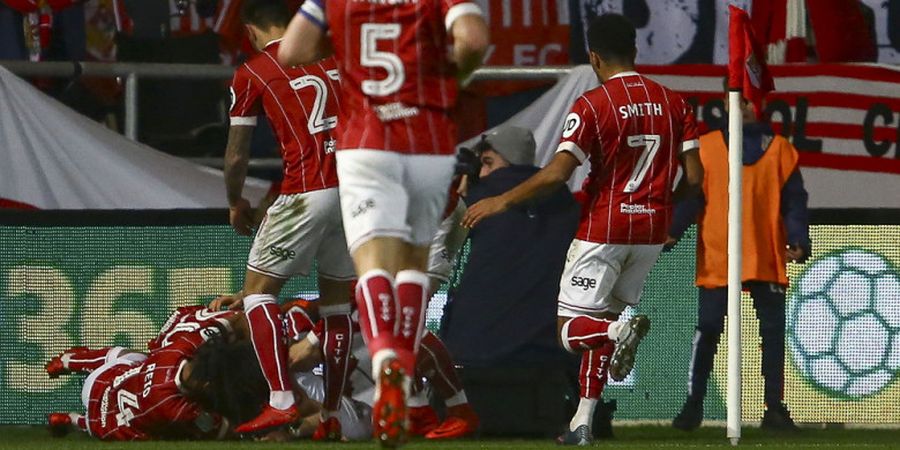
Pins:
x: 398, y: 80
x: 632, y: 130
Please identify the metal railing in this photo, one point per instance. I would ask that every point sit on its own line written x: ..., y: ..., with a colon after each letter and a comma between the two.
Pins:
x: 134, y: 72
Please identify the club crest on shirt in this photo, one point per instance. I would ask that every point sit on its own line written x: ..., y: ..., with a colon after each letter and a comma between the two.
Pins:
x: 572, y: 122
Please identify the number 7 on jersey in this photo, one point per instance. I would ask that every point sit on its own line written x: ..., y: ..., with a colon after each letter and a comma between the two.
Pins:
x: 649, y: 145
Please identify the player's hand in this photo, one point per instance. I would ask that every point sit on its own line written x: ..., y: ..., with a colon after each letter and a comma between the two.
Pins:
x: 488, y: 207
x: 463, y: 189
x: 795, y: 253
x: 232, y: 302
x: 241, y: 217
x: 669, y: 244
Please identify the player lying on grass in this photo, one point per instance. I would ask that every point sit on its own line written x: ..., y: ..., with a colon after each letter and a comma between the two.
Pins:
x: 182, y: 388
x: 163, y: 394
x: 131, y: 395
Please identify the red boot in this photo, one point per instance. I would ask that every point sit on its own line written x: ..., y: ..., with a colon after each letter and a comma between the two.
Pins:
x: 328, y: 430
x: 55, y: 366
x: 422, y: 420
x: 59, y: 424
x: 389, y: 415
x: 461, y: 421
x: 269, y: 418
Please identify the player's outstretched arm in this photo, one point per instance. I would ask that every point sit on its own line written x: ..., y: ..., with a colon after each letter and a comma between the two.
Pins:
x: 304, y: 40
x: 470, y: 41
x: 237, y: 157
x: 551, y: 177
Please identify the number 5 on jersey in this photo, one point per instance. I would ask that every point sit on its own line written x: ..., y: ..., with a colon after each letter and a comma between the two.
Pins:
x: 370, y: 56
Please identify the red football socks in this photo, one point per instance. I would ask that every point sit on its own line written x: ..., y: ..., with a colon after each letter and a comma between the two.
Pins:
x: 436, y: 364
x: 82, y: 359
x: 337, y: 341
x: 594, y: 368
x: 412, y: 298
x: 377, y: 310
x: 266, y: 334
x: 583, y: 333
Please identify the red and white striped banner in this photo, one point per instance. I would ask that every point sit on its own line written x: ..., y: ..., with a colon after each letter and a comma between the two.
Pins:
x: 844, y: 119
x: 840, y: 116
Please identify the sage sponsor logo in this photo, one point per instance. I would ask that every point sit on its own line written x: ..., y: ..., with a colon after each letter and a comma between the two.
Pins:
x: 584, y: 282
x: 281, y: 252
x: 363, y: 207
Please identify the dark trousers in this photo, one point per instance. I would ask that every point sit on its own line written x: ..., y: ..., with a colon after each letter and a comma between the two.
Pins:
x: 712, y: 307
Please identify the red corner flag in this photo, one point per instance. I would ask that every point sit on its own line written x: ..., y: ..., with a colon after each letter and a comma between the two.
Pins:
x: 747, y: 68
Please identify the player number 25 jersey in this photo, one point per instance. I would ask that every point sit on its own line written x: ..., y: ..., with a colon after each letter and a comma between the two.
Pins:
x: 632, y: 130
x: 302, y: 106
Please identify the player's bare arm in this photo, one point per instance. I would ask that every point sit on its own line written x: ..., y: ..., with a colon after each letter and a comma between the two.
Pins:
x: 545, y: 181
x: 237, y: 156
x: 304, y: 42
x: 470, y: 41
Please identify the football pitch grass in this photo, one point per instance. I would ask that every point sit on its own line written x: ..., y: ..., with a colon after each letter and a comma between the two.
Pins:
x: 32, y: 437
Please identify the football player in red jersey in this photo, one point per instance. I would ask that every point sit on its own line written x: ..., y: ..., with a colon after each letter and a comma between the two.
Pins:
x: 138, y: 396
x: 304, y: 222
x: 634, y: 132
x: 395, y: 158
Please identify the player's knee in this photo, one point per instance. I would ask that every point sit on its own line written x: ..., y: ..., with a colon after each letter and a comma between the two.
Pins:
x: 257, y: 283
x: 253, y: 300
x: 560, y: 330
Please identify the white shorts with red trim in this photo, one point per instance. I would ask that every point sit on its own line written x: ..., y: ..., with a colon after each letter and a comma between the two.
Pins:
x: 604, y: 278
x: 389, y: 194
x: 446, y: 245
x: 298, y: 229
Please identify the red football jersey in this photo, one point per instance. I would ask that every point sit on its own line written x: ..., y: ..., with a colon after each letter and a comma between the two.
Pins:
x: 398, y: 80
x: 191, y: 322
x: 302, y: 105
x: 632, y: 129
x: 144, y: 400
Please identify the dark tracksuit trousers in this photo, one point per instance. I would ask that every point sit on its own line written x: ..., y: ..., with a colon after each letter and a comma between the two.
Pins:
x: 712, y: 306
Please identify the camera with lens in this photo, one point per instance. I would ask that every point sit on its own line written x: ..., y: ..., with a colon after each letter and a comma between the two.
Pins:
x: 468, y: 160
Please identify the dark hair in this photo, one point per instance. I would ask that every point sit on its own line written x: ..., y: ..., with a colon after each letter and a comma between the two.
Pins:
x: 265, y: 13
x: 612, y: 37
x: 226, y: 379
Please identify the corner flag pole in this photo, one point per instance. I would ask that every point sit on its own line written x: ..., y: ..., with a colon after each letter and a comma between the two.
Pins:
x: 748, y: 77
x: 735, y: 218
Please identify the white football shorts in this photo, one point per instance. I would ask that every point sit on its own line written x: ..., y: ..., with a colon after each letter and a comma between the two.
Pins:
x: 389, y: 194
x: 355, y: 416
x: 604, y: 278
x: 300, y: 228
x: 446, y: 244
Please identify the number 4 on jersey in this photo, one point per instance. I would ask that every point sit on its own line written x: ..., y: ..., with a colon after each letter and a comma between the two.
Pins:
x: 649, y: 145
x: 127, y: 402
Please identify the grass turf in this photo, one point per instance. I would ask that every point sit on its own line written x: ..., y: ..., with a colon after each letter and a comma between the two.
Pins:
x: 32, y: 437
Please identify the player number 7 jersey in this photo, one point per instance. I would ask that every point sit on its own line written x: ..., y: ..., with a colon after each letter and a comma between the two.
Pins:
x: 632, y: 130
